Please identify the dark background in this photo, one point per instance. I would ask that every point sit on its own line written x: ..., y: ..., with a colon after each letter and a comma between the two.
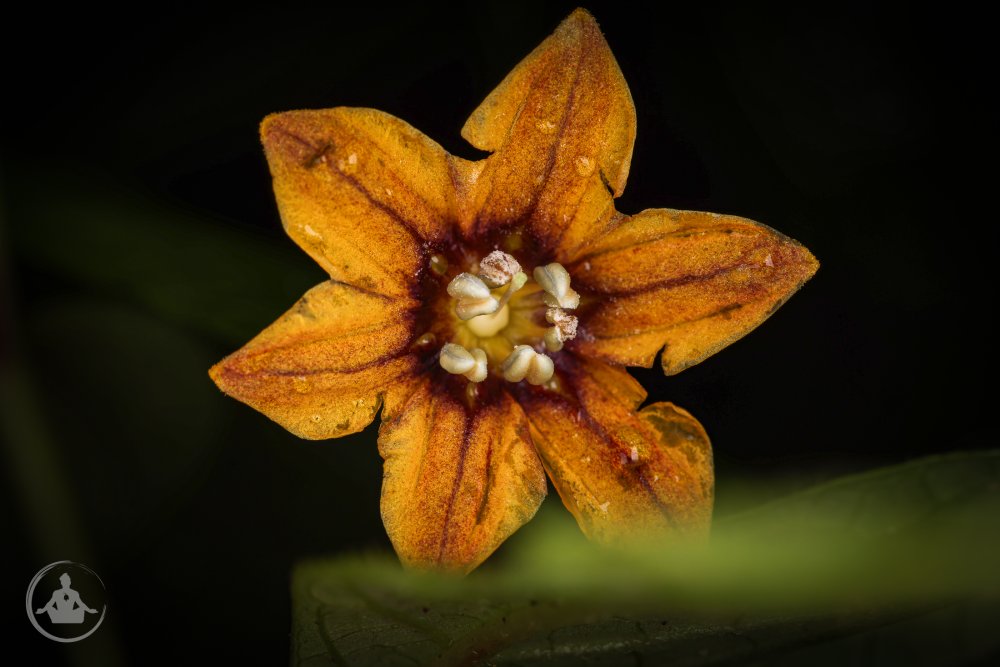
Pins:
x: 140, y: 243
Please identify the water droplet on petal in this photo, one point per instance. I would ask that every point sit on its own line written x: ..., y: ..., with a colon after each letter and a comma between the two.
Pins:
x: 546, y: 126
x: 350, y: 165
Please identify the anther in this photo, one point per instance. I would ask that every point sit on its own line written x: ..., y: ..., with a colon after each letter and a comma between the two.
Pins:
x: 526, y: 364
x: 554, y: 279
x: 458, y: 361
x: 479, y: 371
x: 497, y: 268
x: 472, y: 295
x: 564, y: 329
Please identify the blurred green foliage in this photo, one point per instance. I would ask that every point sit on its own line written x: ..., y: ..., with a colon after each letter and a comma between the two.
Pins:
x: 188, y: 270
x: 896, y: 564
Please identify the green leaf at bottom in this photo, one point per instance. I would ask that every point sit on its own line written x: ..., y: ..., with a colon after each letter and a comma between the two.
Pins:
x: 898, y: 563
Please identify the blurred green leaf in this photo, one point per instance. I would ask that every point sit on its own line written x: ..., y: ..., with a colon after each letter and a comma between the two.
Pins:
x: 189, y: 269
x: 896, y: 561
x: 150, y: 423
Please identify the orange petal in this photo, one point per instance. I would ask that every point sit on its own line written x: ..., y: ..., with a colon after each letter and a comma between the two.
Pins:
x: 625, y: 475
x: 694, y: 282
x: 360, y: 191
x: 324, y: 368
x: 560, y: 126
x: 456, y: 484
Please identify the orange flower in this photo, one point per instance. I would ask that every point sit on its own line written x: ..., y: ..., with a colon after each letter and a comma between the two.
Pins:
x: 489, y: 308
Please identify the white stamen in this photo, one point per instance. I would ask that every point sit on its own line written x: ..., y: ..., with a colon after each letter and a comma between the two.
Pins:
x: 551, y: 338
x: 554, y: 279
x: 541, y: 369
x: 458, y: 361
x: 524, y: 363
x: 472, y: 295
x: 497, y: 268
x: 479, y: 371
x: 515, y: 366
x: 564, y: 329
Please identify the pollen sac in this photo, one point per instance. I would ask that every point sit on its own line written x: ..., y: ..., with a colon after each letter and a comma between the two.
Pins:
x: 526, y: 364
x: 564, y: 329
x: 554, y: 279
x: 458, y: 361
x: 479, y: 371
x: 497, y: 268
x: 472, y: 296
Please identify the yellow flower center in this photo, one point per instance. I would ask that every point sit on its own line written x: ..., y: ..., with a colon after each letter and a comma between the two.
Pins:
x: 499, y: 317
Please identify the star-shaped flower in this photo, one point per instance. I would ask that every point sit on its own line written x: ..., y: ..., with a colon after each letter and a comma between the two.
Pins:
x: 489, y: 308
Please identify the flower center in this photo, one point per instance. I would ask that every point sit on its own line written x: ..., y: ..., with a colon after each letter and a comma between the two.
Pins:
x: 503, y: 323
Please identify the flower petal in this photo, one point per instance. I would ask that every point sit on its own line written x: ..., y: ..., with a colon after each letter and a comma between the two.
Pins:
x: 456, y: 483
x: 694, y: 282
x: 561, y: 127
x: 623, y: 474
x: 324, y: 368
x: 360, y: 191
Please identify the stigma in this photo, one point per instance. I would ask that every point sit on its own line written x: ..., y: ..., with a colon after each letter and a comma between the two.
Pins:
x: 486, y: 326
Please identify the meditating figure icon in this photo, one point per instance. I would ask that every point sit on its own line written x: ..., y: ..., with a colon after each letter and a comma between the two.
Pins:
x: 65, y: 605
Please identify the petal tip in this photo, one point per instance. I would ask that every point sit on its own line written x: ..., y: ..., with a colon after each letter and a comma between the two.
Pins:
x: 811, y: 263
x: 800, y: 262
x: 218, y: 375
x: 273, y: 125
x: 578, y: 21
x: 581, y: 15
x: 278, y: 140
x: 299, y: 138
x: 230, y: 378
